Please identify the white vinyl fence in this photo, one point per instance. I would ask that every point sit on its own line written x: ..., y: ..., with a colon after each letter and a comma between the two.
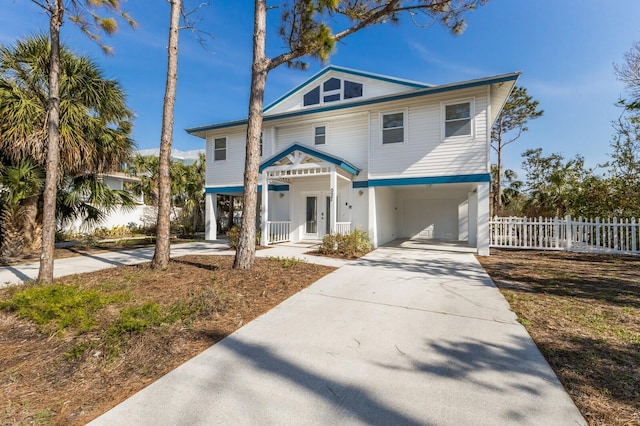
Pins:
x: 588, y: 235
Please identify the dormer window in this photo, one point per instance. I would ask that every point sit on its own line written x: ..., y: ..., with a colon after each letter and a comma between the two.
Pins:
x: 332, y: 90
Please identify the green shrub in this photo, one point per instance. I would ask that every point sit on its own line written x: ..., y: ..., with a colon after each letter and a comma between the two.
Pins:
x: 354, y: 244
x: 234, y: 235
x: 329, y: 244
x: 138, y: 318
x: 56, y: 307
x: 287, y: 262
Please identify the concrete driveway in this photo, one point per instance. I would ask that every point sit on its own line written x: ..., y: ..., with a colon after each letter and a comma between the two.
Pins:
x: 402, y: 336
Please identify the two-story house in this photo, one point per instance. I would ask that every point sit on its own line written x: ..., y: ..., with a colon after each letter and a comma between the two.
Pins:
x: 347, y: 149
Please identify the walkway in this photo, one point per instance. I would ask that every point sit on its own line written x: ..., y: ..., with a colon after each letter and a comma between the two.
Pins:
x: 401, y: 336
x: 93, y: 262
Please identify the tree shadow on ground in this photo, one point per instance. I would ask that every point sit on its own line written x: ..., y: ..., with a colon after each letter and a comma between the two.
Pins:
x: 469, y: 360
x: 442, y: 267
x: 611, y: 279
x: 200, y: 265
x: 358, y: 402
x: 588, y: 366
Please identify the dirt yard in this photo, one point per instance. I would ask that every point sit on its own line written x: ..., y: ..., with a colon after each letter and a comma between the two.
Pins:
x: 583, y: 311
x: 129, y: 326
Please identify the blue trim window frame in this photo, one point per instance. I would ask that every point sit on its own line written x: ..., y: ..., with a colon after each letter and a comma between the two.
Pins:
x: 220, y: 148
x: 319, y: 134
x: 458, y: 119
x: 394, y: 127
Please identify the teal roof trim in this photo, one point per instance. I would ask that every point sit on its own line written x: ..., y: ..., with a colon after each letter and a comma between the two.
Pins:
x: 422, y: 92
x: 324, y: 71
x: 310, y: 151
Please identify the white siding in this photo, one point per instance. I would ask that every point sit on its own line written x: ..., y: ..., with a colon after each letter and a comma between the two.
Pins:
x: 278, y: 205
x: 426, y: 153
x: 355, y: 137
x: 386, y: 215
x: 431, y: 211
x: 347, y: 137
x: 498, y: 95
x: 229, y: 172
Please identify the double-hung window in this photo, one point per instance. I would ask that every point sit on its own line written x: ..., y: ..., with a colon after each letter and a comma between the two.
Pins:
x: 457, y: 119
x: 319, y: 135
x: 393, y: 127
x: 219, y: 149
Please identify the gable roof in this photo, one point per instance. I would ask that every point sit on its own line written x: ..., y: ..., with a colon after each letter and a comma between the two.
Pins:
x: 333, y: 68
x: 313, y: 153
x: 430, y: 90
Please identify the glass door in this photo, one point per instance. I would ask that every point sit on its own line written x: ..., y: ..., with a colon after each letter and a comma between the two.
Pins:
x: 311, y: 223
x: 327, y: 227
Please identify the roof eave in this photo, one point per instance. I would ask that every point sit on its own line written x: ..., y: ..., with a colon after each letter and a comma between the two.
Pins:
x: 387, y: 98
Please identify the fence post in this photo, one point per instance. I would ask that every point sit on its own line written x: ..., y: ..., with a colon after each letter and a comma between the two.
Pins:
x: 633, y: 234
x: 568, y: 232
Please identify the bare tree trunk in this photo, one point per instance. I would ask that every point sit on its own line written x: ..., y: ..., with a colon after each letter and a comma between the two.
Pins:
x: 30, y: 223
x: 162, y: 251
x: 231, y: 211
x: 45, y: 274
x: 246, y: 251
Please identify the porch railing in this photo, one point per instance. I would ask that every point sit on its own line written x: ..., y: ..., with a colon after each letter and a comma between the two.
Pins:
x: 278, y: 231
x: 343, y: 227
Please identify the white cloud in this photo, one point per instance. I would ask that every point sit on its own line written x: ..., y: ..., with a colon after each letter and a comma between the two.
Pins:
x: 432, y: 58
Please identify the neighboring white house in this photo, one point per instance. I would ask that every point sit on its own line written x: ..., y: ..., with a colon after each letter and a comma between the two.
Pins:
x: 136, y: 216
x: 185, y: 157
x: 347, y: 149
x: 140, y: 215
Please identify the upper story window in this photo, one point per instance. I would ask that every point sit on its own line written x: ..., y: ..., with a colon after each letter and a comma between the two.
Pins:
x: 319, y: 135
x: 393, y: 127
x: 332, y: 90
x: 219, y: 149
x: 457, y: 119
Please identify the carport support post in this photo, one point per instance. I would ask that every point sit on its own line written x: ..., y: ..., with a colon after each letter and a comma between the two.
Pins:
x: 210, y: 224
x: 373, y: 227
x: 264, y: 210
x: 333, y: 199
x: 482, y: 241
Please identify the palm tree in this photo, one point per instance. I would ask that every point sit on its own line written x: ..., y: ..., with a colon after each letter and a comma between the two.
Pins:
x: 21, y: 184
x: 186, y: 184
x: 145, y: 168
x: 94, y: 122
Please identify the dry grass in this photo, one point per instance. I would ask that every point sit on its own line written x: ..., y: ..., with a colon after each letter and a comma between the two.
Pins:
x: 48, y: 376
x: 583, y: 311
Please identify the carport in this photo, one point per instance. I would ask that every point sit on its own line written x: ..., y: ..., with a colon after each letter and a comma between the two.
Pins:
x: 449, y: 212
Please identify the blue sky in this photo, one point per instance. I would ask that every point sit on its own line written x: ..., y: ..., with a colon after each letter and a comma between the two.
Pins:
x: 565, y: 49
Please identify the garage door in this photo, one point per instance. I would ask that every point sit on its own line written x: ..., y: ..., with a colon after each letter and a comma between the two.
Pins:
x: 428, y: 218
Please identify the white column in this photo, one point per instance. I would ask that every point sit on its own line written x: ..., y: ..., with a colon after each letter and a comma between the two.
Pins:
x: 482, y: 242
x: 333, y: 201
x: 373, y: 227
x: 264, y: 211
x: 211, y: 225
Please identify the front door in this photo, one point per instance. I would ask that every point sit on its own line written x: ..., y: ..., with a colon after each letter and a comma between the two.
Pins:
x: 311, y: 217
x: 317, y: 220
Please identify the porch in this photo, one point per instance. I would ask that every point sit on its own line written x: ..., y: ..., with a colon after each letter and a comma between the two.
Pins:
x: 309, y: 196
